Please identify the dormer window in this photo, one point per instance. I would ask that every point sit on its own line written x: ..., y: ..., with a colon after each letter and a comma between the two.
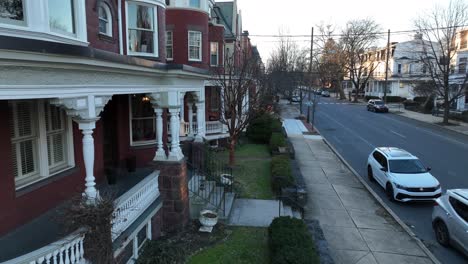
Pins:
x: 105, y: 19
x: 11, y: 11
x: 61, y: 16
x: 142, y: 33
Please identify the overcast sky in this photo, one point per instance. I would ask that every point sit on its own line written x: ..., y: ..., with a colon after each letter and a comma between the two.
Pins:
x: 266, y: 17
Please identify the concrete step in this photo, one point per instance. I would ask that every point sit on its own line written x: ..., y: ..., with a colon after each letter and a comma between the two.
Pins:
x: 286, y: 210
x: 216, y: 198
x: 296, y: 214
x: 194, y: 183
x: 229, y: 200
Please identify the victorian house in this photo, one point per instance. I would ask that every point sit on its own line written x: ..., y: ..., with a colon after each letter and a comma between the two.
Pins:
x: 97, y: 92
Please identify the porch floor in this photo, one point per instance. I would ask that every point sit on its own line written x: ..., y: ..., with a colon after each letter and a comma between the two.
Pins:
x: 46, y: 228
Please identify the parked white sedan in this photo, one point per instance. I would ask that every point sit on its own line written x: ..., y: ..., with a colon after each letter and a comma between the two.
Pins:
x: 402, y: 175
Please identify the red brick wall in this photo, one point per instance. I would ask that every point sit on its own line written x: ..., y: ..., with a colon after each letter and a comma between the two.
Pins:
x: 95, y: 39
x: 180, y: 21
x: 15, y: 209
x: 216, y: 34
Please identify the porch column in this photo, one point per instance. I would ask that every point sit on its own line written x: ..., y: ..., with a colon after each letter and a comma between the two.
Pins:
x: 176, y: 152
x: 160, y: 153
x: 190, y: 118
x: 200, y: 121
x: 87, y: 126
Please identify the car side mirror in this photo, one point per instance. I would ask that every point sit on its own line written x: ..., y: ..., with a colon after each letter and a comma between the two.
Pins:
x: 428, y: 168
x: 384, y: 169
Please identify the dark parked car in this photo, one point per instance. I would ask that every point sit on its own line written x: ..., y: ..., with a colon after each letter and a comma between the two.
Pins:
x: 377, y: 106
x: 326, y: 94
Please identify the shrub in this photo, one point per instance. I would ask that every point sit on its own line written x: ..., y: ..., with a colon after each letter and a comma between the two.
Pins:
x: 290, y: 242
x: 395, y: 99
x: 420, y: 99
x: 277, y: 140
x: 368, y: 97
x: 410, y: 104
x: 281, y: 173
x: 260, y: 128
x: 162, y: 252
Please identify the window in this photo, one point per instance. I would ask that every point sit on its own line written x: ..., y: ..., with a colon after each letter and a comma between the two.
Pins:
x: 464, y: 40
x: 424, y: 69
x: 194, y: 43
x: 462, y: 65
x: 380, y: 159
x: 195, y: 3
x: 399, y: 69
x: 215, y: 98
x: 105, y: 19
x: 143, y: 120
x: 40, y: 138
x: 141, y: 29
x: 11, y: 11
x: 169, y: 46
x: 460, y: 208
x: 61, y: 16
x: 214, y: 54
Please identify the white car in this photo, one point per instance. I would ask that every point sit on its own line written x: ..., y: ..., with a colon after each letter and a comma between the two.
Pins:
x: 450, y: 219
x: 402, y: 175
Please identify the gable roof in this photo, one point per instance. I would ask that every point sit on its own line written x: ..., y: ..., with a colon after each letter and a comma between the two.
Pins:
x: 224, y: 11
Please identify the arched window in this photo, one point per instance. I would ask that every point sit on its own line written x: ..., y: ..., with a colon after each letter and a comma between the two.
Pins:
x: 105, y: 19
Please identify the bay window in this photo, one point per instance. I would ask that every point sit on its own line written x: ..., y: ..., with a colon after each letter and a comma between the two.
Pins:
x: 41, y: 141
x: 12, y: 11
x: 142, y: 33
x: 143, y: 120
x: 61, y: 16
x: 195, y: 45
x: 214, y: 54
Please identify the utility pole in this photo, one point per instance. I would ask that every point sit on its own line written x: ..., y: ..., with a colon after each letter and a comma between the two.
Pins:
x: 310, y: 72
x: 386, y: 68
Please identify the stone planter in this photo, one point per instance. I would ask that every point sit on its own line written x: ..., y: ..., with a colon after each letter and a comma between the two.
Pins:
x: 208, y: 219
x: 226, y: 179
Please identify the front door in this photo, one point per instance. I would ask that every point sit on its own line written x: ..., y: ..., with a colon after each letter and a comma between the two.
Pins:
x: 110, y: 142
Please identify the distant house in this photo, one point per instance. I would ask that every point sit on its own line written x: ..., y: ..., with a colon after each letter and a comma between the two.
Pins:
x: 459, y: 69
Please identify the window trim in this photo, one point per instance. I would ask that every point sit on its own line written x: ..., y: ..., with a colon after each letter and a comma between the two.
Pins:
x: 41, y: 158
x: 74, y: 20
x: 21, y: 23
x: 172, y: 45
x: 200, y: 53
x: 109, y: 21
x: 217, y: 54
x: 130, y: 117
x: 154, y: 6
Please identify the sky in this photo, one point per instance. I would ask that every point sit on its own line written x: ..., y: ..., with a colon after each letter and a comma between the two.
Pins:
x: 297, y: 17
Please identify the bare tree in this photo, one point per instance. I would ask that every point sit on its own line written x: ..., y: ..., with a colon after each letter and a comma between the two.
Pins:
x: 440, y: 28
x: 241, y: 81
x: 358, y: 38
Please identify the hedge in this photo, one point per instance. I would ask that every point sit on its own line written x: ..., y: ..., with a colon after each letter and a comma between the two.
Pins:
x: 277, y: 140
x: 281, y: 173
x: 260, y: 128
x: 368, y: 97
x: 159, y: 251
x: 290, y: 242
x: 395, y: 99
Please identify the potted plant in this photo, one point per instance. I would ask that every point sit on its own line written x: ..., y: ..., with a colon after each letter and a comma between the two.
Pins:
x: 208, y: 219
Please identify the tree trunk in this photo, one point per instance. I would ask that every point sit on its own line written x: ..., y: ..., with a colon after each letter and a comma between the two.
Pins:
x: 446, y: 114
x: 232, y: 152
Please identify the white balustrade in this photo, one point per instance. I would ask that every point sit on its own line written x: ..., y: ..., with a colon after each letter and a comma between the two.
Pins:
x: 214, y: 127
x: 68, y: 250
x: 184, y: 129
x: 133, y: 203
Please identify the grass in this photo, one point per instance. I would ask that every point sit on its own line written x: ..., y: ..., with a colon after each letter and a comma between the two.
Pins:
x: 244, y: 245
x: 252, y: 171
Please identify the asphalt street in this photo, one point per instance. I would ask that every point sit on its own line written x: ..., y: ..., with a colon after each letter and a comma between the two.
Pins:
x: 355, y: 132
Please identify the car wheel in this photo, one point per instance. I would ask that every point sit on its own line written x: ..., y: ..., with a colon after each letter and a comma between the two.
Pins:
x: 441, y: 233
x: 389, y: 192
x: 370, y: 174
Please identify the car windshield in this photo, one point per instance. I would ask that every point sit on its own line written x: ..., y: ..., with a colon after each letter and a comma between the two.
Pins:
x: 379, y: 102
x: 407, y: 166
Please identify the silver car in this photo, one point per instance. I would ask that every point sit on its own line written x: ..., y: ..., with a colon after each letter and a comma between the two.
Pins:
x: 450, y: 219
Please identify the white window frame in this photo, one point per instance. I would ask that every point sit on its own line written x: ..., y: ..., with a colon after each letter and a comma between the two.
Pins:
x: 194, y: 6
x: 199, y: 33
x: 130, y: 115
x: 170, y: 44
x: 217, y: 54
x: 155, y: 29
x: 109, y: 20
x: 43, y: 170
x: 62, y: 32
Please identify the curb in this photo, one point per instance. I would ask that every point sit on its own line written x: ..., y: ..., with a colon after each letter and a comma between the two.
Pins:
x: 384, y: 205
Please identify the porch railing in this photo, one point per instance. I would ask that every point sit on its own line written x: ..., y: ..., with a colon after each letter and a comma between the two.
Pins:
x: 133, y: 203
x: 212, y: 127
x: 67, y: 250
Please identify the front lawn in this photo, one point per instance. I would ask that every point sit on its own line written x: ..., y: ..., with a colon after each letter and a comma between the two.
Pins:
x: 244, y: 245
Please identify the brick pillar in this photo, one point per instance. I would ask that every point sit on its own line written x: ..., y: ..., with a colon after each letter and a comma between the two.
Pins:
x: 173, y: 186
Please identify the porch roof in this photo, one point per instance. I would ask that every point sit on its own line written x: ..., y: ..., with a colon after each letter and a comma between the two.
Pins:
x: 46, y: 229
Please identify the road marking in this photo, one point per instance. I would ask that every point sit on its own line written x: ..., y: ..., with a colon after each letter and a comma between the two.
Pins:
x: 398, y: 134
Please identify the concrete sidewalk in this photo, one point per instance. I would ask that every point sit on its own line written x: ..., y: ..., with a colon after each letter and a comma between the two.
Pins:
x: 356, y: 227
x: 427, y: 118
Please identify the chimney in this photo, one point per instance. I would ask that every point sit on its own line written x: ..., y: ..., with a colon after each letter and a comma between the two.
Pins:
x: 418, y: 36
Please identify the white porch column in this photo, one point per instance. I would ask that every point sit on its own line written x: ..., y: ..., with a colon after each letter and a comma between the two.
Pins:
x: 160, y: 153
x: 182, y: 110
x: 176, y: 152
x: 200, y: 121
x: 190, y: 118
x: 87, y: 127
